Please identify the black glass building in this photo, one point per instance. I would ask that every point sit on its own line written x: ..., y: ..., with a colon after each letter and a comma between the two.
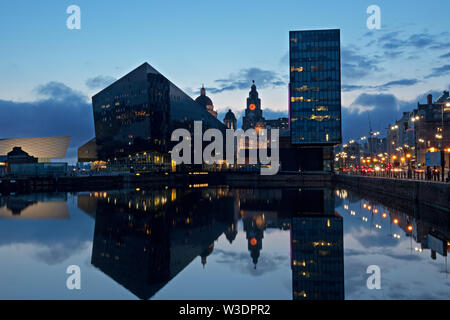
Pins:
x: 315, y: 87
x: 135, y: 116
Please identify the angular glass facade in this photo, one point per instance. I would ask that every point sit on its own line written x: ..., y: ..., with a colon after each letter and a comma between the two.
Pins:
x: 135, y: 116
x: 132, y: 115
x: 315, y: 87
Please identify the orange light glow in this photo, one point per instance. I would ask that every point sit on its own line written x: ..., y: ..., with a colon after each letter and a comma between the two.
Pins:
x: 253, y: 242
x: 252, y: 107
x: 395, y: 221
x: 410, y: 228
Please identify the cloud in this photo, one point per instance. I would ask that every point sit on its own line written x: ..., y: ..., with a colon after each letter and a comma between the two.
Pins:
x: 439, y: 71
x: 394, y: 40
x: 383, y: 109
x: 355, y: 65
x: 377, y: 101
x: 397, y: 83
x: 351, y: 87
x: 382, y: 87
x: 243, y: 80
x: 58, y: 91
x: 444, y: 56
x: 99, y: 82
x: 61, y: 111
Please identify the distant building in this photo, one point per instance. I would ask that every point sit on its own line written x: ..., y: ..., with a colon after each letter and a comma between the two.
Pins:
x: 432, y: 126
x: 280, y: 124
x: 375, y: 146
x: 43, y: 149
x: 31, y: 157
x: 230, y: 120
x: 204, y: 101
x: 18, y: 156
x: 401, y: 135
x: 253, y: 114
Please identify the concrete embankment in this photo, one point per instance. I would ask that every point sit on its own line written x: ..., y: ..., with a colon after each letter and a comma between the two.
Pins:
x: 432, y: 194
x: 108, y: 182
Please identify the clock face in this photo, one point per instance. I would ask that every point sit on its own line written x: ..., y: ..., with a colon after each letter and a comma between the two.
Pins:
x: 252, y: 107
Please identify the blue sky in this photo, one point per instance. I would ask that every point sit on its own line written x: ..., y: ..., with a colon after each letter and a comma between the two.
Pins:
x: 196, y: 42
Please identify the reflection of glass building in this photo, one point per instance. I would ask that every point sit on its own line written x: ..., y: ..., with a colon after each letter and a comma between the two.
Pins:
x: 135, y: 116
x: 315, y: 87
x: 143, y: 239
x: 317, y: 251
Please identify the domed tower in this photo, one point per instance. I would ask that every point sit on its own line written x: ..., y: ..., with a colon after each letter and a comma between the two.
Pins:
x: 253, y: 112
x: 230, y: 120
x: 206, y: 102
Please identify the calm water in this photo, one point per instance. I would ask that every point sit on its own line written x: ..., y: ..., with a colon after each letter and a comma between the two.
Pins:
x: 220, y: 243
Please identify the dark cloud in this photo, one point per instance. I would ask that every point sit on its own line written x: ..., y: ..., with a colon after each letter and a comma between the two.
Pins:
x: 385, y: 109
x: 61, y: 111
x: 397, y: 83
x: 99, y: 82
x: 439, y: 71
x: 243, y: 80
x: 355, y: 65
x: 56, y: 253
x: 444, y: 56
x: 388, y: 102
x: 395, y: 40
x: 382, y: 87
x: 350, y: 87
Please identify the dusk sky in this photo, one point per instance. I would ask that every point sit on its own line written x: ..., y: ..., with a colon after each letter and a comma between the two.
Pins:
x: 48, y: 72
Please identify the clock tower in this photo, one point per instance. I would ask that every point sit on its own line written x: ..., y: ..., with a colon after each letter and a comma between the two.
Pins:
x: 253, y: 114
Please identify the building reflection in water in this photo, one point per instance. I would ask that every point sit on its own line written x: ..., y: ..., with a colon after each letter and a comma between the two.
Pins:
x: 34, y: 206
x: 317, y: 248
x: 428, y: 227
x: 144, y: 238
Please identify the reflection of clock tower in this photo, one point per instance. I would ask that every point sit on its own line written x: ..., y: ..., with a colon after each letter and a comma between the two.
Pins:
x: 253, y: 114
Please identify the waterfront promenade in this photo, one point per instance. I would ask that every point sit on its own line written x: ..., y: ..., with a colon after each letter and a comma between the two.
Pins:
x: 434, y: 194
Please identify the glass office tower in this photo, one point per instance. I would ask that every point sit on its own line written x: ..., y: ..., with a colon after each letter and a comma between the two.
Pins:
x: 315, y: 87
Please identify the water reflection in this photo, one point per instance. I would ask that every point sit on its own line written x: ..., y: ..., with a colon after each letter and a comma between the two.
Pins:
x: 34, y: 206
x: 143, y: 239
x: 203, y: 242
x: 427, y: 228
